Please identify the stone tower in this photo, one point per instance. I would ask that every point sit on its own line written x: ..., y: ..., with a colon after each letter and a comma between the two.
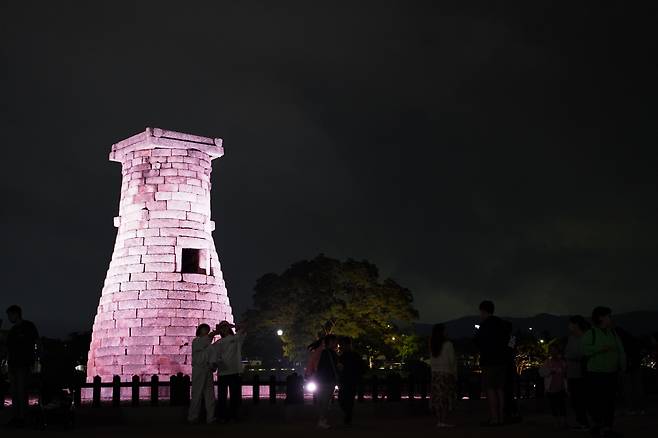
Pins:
x: 164, y: 278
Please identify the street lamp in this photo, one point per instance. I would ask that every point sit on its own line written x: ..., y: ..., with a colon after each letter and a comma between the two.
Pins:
x: 279, y: 332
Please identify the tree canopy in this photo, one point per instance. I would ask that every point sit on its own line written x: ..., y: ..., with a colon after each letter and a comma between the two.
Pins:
x: 325, y: 295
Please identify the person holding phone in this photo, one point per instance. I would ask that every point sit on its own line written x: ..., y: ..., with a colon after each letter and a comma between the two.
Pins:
x: 226, y: 355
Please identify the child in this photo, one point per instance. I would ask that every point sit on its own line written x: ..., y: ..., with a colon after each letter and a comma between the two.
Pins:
x: 202, y: 383
x: 554, y: 372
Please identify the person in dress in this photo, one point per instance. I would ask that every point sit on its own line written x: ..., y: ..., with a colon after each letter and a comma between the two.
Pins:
x: 554, y: 372
x: 444, y: 375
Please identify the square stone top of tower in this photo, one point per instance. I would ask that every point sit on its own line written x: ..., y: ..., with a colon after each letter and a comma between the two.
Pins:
x: 153, y: 138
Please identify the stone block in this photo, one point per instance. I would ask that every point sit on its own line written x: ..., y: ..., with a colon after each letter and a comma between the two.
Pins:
x: 133, y: 285
x: 160, y: 267
x: 161, y: 250
x: 180, y: 331
x: 167, y: 188
x: 164, y: 223
x: 169, y: 214
x: 196, y: 217
x: 189, y: 313
x: 184, y: 322
x: 131, y: 304
x: 157, y: 322
x: 175, y: 179
x: 143, y: 276
x: 192, y: 224
x: 125, y: 314
x: 194, y: 278
x: 156, y: 205
x: 140, y: 370
x: 132, y: 359
x: 128, y: 322
x: 147, y: 294
x: 141, y: 340
x: 209, y: 288
x: 207, y: 297
x: 213, y: 315
x: 148, y: 232
x: 199, y: 305
x: 154, y: 258
x: 125, y: 296
x: 110, y: 351
x: 139, y: 349
x: 186, y: 286
x: 156, y: 313
x: 169, y: 276
x: 162, y: 196
x: 147, y: 331
x: 181, y: 295
x: 134, y: 250
x: 159, y: 241
x: 162, y: 303
x: 166, y: 285
x: 167, y: 349
x: 175, y: 340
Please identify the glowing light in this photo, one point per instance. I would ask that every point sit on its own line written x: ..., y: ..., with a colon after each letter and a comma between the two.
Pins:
x: 477, y: 326
x: 279, y: 332
x: 393, y: 338
x: 530, y: 328
x: 541, y: 341
x: 311, y: 387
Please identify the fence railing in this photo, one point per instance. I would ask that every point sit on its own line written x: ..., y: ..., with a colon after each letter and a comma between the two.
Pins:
x: 175, y: 391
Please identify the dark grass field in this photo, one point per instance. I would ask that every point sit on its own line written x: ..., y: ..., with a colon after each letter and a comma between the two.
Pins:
x: 372, y: 419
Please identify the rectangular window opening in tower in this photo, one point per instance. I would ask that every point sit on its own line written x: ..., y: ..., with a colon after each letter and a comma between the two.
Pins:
x: 193, y: 261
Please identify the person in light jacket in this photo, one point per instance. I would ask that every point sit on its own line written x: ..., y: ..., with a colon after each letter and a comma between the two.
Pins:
x: 202, y: 383
x: 444, y: 375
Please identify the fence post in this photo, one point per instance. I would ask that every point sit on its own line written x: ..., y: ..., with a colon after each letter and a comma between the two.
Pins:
x: 135, y: 391
x: 155, y: 390
x: 77, y: 392
x: 96, y: 394
x: 272, y: 389
x: 116, y: 391
x: 185, y: 390
x: 173, y: 390
x: 255, y: 393
x: 294, y: 389
x: 411, y: 393
x: 3, y: 395
x: 375, y: 388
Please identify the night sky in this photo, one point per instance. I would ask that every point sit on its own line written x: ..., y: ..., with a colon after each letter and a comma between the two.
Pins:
x: 471, y: 150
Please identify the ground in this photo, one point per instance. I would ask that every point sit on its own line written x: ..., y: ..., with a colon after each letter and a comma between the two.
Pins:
x: 381, y: 420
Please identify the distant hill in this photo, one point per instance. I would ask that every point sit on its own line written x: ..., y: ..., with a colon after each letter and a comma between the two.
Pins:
x: 639, y: 323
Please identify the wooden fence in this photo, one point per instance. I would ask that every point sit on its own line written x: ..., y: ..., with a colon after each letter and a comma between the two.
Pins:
x: 176, y: 390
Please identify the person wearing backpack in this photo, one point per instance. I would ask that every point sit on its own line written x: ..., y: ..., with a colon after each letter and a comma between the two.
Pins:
x: 326, y: 378
x: 605, y: 360
x: 576, y: 374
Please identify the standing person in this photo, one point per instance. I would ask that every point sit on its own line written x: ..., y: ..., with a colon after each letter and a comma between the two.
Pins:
x: 492, y: 339
x: 554, y: 372
x: 512, y: 408
x: 351, y: 368
x: 605, y: 360
x: 203, y: 389
x: 22, y: 342
x: 226, y: 355
x: 326, y: 378
x: 631, y: 379
x: 574, y: 353
x: 444, y: 375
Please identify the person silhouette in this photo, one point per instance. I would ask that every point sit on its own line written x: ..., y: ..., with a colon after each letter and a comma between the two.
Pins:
x: 22, y: 341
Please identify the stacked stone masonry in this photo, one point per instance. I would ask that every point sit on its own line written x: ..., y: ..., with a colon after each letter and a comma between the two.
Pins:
x: 164, y: 278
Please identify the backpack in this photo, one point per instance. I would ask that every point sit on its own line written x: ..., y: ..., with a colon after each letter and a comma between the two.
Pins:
x: 313, y: 361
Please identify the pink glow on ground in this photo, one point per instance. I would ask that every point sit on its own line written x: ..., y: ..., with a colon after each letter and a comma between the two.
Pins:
x: 149, y: 307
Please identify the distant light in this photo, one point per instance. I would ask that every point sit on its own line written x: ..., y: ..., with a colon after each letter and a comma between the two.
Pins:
x: 311, y: 387
x: 530, y: 328
x: 541, y: 341
x: 336, y: 387
x: 393, y: 338
x: 279, y: 332
x: 477, y: 326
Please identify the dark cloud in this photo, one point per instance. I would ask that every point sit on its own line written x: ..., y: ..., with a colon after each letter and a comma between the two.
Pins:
x: 469, y: 150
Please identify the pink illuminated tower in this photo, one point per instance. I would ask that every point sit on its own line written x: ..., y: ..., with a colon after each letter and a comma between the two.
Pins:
x: 164, y: 278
